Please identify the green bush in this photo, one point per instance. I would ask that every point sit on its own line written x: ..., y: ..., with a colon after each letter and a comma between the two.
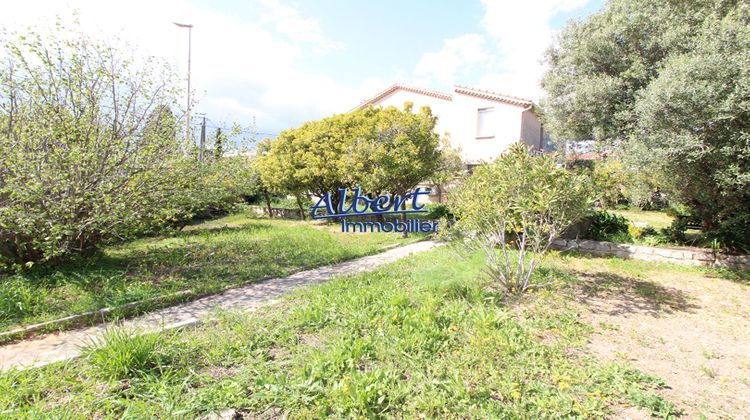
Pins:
x: 606, y: 226
x: 609, y: 180
x: 439, y: 211
x: 292, y: 203
x: 89, y: 150
x: 512, y: 209
x: 202, y: 190
x: 675, y: 233
x: 73, y: 170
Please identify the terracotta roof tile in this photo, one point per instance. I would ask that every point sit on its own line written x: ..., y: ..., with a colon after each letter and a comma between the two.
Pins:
x: 463, y: 90
x: 493, y: 96
x: 397, y: 86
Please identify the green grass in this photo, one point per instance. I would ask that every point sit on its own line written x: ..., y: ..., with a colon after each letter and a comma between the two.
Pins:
x: 655, y: 219
x: 203, y: 258
x: 427, y: 336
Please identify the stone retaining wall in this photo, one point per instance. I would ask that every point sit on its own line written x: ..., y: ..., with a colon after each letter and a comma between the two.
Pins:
x: 278, y: 213
x: 685, y: 256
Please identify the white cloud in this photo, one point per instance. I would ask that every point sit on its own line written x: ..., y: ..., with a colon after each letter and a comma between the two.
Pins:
x: 288, y: 21
x: 250, y: 62
x: 240, y: 68
x: 457, y: 54
x: 516, y: 34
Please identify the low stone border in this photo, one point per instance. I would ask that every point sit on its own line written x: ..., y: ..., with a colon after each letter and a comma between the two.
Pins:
x: 684, y: 256
x: 130, y: 308
x: 278, y: 212
x: 52, y: 348
x: 93, y: 316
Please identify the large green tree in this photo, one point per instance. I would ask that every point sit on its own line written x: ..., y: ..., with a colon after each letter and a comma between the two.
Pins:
x: 90, y: 150
x: 381, y: 150
x: 668, y: 84
x: 396, y: 151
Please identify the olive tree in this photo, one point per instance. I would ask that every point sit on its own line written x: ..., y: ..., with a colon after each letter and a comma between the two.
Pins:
x: 512, y: 209
x: 667, y: 84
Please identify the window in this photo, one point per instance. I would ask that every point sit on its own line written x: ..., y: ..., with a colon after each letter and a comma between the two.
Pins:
x: 485, y: 125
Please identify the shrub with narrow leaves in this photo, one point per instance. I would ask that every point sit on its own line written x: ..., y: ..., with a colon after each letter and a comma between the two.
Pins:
x: 513, y: 208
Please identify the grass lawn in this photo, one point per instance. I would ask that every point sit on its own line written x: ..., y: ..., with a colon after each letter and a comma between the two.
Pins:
x: 424, y: 336
x: 655, y: 219
x: 202, y: 258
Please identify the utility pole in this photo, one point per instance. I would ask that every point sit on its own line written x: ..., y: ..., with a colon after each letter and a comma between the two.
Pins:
x: 190, y: 47
x: 201, y: 152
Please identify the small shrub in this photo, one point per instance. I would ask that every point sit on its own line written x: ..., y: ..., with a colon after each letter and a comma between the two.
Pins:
x: 606, y: 226
x: 677, y: 210
x: 123, y: 354
x: 641, y: 232
x: 609, y: 179
x: 675, y: 233
x: 513, y: 208
x: 439, y: 211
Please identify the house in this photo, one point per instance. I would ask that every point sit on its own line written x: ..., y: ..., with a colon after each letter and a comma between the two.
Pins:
x: 479, y: 123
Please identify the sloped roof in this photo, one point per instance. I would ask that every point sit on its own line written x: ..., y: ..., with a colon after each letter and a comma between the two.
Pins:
x: 493, y: 96
x: 397, y: 86
x: 461, y: 90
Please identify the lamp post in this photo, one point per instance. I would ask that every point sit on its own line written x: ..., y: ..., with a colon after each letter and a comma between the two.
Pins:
x: 190, y: 44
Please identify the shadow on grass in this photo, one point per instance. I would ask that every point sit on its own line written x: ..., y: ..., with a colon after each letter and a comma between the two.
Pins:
x: 201, y: 261
x: 250, y: 227
x: 613, y: 294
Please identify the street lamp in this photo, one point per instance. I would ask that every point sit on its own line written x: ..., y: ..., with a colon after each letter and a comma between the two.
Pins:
x: 190, y: 43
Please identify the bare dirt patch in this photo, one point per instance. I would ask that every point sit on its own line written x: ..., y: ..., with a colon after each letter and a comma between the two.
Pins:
x: 689, y: 329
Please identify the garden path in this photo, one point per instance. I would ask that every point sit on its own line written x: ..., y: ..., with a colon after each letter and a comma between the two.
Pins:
x: 66, y: 345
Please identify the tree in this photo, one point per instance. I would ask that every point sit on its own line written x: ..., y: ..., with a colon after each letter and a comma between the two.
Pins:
x: 450, y: 167
x: 512, y: 209
x: 273, y: 174
x: 399, y: 150
x: 380, y: 150
x: 695, y: 118
x: 87, y: 144
x: 667, y: 83
x: 310, y: 158
x: 219, y: 139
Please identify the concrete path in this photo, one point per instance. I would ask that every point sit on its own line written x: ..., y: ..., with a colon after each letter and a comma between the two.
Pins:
x: 67, y: 344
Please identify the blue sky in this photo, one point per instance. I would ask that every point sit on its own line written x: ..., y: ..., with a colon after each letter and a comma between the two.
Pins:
x: 281, y: 63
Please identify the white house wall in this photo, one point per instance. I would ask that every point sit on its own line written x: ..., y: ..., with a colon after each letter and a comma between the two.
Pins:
x: 458, y: 120
x: 531, y: 130
x: 440, y: 107
x: 507, y: 120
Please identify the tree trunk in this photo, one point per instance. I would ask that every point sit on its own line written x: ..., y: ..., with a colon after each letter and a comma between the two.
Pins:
x: 301, y: 209
x: 403, y: 219
x: 335, y: 201
x: 439, y: 193
x: 268, y: 203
